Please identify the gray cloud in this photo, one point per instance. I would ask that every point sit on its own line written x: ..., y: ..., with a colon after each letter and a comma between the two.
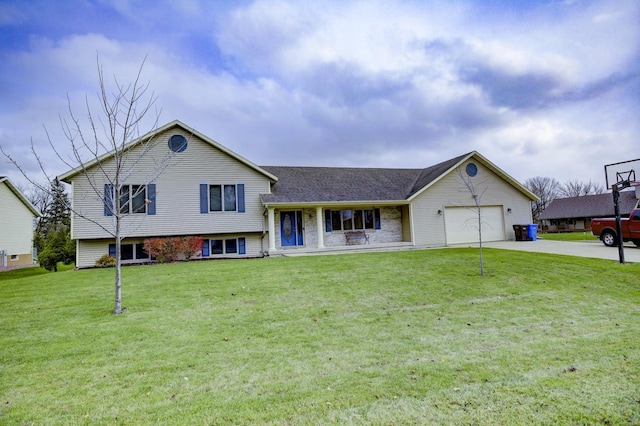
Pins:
x: 400, y: 84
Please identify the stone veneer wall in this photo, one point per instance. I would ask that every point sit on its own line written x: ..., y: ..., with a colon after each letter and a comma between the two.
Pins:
x: 390, y: 232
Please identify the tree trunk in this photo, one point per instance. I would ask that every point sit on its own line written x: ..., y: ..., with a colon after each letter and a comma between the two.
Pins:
x: 118, y: 301
x: 480, y: 238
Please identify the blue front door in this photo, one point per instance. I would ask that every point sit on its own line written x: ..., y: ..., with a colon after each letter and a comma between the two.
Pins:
x: 291, y: 228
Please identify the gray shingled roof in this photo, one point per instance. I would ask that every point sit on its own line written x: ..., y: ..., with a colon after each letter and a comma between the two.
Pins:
x: 600, y: 205
x: 344, y: 184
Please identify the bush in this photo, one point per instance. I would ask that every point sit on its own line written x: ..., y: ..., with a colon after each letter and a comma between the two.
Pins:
x: 58, y: 247
x: 190, y: 246
x: 170, y: 249
x: 106, y: 261
x: 49, y: 258
x: 163, y: 249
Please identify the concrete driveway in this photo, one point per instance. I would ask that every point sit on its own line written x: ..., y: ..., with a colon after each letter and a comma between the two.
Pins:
x: 594, y: 249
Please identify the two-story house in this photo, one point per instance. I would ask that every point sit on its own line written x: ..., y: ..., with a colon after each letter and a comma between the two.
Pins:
x: 244, y: 210
x: 17, y: 217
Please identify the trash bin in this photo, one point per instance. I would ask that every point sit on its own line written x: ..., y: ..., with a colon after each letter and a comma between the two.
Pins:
x: 520, y: 231
x: 532, y: 232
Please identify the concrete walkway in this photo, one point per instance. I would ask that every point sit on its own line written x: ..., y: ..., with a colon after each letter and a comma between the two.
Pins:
x: 594, y: 249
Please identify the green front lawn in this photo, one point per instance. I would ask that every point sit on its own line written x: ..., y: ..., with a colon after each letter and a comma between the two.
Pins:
x: 568, y: 236
x: 415, y: 337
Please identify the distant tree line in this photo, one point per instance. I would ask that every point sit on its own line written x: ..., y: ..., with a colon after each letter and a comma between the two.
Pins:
x: 548, y: 189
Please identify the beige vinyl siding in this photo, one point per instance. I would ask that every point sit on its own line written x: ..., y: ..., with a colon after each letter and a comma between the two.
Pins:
x: 406, y: 224
x: 450, y: 191
x: 177, y: 194
x: 88, y: 251
x: 16, y: 227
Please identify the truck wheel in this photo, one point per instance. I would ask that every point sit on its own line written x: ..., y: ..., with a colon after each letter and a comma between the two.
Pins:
x: 636, y: 242
x: 609, y: 238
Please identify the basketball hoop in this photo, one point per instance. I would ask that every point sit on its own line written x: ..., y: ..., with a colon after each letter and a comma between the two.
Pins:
x: 621, y: 174
x: 625, y: 177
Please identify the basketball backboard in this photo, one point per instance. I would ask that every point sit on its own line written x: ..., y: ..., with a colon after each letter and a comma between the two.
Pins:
x: 622, y: 171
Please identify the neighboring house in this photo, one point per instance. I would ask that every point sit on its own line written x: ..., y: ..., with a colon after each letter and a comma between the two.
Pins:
x: 575, y: 213
x: 244, y: 210
x: 17, y: 216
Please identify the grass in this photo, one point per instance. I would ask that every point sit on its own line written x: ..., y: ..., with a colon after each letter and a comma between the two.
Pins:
x: 415, y: 337
x: 30, y: 271
x: 568, y: 236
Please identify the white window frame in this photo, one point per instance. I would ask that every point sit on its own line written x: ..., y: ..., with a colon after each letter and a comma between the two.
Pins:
x: 223, y: 201
x: 127, y: 206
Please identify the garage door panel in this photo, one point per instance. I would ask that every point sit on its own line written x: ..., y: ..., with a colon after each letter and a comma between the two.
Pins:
x: 461, y: 224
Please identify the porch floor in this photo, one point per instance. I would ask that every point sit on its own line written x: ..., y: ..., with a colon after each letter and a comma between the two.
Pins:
x: 355, y: 248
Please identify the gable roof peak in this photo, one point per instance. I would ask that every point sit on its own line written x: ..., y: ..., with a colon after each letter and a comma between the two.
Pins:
x: 65, y: 177
x: 20, y: 195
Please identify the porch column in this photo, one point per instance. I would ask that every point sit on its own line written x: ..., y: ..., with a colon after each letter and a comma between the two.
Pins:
x: 320, y: 227
x: 271, y: 219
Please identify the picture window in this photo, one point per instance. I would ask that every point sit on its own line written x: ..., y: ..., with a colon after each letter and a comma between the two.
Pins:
x: 347, y: 220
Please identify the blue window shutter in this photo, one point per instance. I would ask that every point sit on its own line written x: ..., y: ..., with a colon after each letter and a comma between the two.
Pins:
x: 204, y: 199
x: 108, y: 199
x: 112, y: 250
x: 151, y: 196
x: 376, y: 213
x: 205, y: 248
x: 240, y: 195
x: 327, y: 220
x: 242, y: 246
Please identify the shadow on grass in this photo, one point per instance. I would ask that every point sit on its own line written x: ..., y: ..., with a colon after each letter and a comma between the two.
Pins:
x: 30, y: 271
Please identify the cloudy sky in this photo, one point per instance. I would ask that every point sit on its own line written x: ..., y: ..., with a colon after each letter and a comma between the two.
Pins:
x: 541, y: 88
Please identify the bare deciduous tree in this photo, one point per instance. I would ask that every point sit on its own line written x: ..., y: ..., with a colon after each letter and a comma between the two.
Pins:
x: 547, y: 189
x: 472, y: 188
x: 575, y: 188
x: 112, y: 133
x: 36, y: 196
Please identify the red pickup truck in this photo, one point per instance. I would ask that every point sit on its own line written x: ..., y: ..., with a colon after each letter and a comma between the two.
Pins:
x: 605, y: 229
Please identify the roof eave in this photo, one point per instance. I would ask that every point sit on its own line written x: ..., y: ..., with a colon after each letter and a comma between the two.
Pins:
x: 20, y: 196
x: 363, y: 203
x: 486, y: 163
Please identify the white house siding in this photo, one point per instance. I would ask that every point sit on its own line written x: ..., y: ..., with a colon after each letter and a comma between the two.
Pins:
x: 88, y: 251
x: 177, y: 194
x: 461, y: 224
x: 406, y: 224
x: 429, y: 226
x: 16, y: 228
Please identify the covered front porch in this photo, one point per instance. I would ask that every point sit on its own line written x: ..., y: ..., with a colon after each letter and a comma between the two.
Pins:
x: 330, y: 228
x: 359, y: 248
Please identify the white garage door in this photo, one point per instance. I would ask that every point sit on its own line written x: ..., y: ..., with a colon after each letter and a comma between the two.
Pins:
x: 461, y: 224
